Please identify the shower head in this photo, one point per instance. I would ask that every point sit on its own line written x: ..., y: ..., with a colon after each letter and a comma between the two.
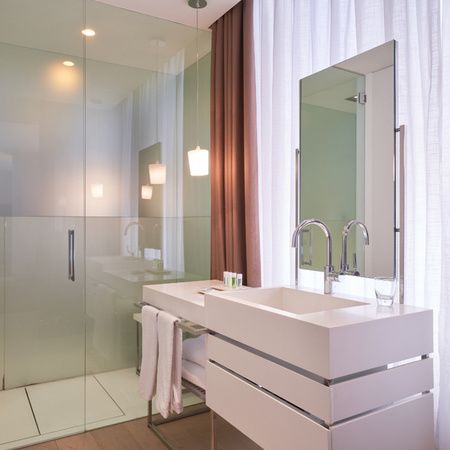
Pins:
x: 197, y: 4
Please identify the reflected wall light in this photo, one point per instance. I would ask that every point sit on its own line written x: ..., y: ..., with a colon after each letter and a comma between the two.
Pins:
x: 198, y: 158
x: 146, y: 192
x: 97, y: 190
x: 157, y: 173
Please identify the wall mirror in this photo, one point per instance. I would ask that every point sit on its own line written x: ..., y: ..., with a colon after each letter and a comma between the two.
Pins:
x: 347, y: 162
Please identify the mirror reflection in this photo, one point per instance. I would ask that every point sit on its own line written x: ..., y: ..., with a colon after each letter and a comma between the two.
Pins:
x: 347, y: 136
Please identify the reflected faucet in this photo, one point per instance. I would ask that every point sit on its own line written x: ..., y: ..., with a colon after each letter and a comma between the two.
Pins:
x: 345, y: 268
x: 328, y: 272
x: 125, y: 233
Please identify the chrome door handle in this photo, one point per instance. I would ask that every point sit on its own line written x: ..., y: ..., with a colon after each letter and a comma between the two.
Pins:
x: 71, y: 254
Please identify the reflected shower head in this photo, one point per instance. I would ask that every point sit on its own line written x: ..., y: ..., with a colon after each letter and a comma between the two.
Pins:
x: 197, y: 4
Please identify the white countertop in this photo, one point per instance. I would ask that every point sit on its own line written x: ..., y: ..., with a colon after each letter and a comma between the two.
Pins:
x: 180, y: 299
x: 184, y: 300
x: 366, y: 310
x: 331, y: 335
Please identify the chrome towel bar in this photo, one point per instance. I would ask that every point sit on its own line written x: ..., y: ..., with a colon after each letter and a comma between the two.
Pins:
x: 188, y: 326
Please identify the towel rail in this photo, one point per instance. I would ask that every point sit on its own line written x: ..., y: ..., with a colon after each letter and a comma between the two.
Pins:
x: 186, y: 325
x: 193, y: 329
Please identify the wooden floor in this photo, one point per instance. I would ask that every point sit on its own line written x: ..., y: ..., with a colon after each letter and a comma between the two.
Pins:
x: 135, y: 435
x: 191, y: 433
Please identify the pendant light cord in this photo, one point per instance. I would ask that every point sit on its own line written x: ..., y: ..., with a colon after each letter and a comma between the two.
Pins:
x: 157, y: 89
x: 197, y: 71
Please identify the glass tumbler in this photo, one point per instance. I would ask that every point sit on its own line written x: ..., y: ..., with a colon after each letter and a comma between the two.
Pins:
x: 385, y: 290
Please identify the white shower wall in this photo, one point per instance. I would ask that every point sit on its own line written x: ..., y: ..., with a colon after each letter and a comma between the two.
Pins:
x: 44, y: 327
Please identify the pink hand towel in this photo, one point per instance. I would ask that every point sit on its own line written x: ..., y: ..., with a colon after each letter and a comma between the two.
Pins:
x: 147, y: 378
x: 170, y: 345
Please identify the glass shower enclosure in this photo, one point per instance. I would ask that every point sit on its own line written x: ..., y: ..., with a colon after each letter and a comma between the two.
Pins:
x: 82, y: 225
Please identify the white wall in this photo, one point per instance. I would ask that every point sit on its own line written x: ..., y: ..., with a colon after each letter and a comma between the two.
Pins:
x: 44, y: 327
x: 41, y: 134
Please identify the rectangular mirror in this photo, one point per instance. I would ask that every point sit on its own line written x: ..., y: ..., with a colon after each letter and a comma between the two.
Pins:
x: 347, y: 162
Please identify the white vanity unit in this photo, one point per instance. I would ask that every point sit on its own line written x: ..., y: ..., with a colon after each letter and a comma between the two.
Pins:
x: 300, y: 370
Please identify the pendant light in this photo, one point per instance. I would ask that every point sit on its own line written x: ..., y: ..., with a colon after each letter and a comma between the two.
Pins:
x: 199, y: 157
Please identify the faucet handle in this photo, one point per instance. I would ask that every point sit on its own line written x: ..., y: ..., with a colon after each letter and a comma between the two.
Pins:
x: 355, y: 270
x: 334, y: 276
x: 329, y: 275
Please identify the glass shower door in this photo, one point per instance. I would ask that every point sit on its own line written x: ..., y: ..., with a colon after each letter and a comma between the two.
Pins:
x: 42, y: 151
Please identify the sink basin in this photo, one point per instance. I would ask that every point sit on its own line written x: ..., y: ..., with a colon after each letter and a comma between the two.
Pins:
x: 328, y: 336
x: 291, y: 300
x: 131, y: 269
x: 128, y: 263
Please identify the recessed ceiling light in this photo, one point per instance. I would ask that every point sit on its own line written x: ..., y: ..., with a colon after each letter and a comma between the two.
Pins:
x: 88, y: 32
x: 158, y: 43
x: 68, y: 63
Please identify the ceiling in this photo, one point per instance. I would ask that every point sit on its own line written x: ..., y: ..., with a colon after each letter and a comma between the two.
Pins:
x: 37, y: 36
x: 123, y: 37
x: 177, y: 10
x: 331, y: 88
x: 372, y: 60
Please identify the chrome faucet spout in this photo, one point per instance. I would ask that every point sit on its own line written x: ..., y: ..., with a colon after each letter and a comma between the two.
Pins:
x: 125, y: 233
x: 329, y: 274
x: 345, y: 268
x: 127, y: 228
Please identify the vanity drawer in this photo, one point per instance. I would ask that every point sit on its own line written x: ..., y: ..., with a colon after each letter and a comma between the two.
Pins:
x: 407, y: 425
x: 334, y: 403
x: 274, y: 424
x: 267, y: 420
x: 301, y: 391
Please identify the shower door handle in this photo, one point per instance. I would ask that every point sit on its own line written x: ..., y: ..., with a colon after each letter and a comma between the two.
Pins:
x: 71, y: 254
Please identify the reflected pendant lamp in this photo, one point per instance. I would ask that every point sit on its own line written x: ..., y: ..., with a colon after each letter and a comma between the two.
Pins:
x: 157, y: 173
x: 199, y: 157
x: 146, y: 192
x: 97, y: 190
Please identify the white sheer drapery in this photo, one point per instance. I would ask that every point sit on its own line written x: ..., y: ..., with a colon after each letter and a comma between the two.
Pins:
x: 153, y: 113
x: 443, y: 428
x: 294, y: 38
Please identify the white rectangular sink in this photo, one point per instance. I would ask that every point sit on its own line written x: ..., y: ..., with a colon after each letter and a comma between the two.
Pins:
x: 292, y: 300
x: 326, y: 335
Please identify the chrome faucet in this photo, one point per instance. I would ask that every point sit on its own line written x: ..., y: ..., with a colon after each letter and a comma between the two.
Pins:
x: 127, y: 228
x: 345, y: 268
x: 329, y: 274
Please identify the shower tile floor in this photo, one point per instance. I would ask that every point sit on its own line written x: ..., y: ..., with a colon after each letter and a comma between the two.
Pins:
x: 50, y: 410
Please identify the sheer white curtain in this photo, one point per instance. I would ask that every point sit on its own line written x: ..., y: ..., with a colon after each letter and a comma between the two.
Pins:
x: 443, y: 429
x: 297, y: 37
x: 275, y: 115
x: 153, y: 113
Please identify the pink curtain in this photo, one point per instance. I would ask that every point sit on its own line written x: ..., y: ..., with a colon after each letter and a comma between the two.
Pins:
x: 235, y: 242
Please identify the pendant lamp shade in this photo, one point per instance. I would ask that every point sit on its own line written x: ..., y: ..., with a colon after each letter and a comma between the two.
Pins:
x: 198, y: 162
x: 146, y: 192
x: 157, y: 173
